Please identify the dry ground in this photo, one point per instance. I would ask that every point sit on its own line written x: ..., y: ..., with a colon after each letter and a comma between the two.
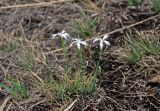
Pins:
x: 25, y: 31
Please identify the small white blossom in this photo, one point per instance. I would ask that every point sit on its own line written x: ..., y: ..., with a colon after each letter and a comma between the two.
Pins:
x: 78, y: 42
x: 102, y: 41
x: 62, y: 34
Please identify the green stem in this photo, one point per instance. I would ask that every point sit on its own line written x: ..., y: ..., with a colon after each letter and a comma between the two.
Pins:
x: 63, y: 45
x: 80, y: 58
x: 100, y: 54
x: 64, y: 51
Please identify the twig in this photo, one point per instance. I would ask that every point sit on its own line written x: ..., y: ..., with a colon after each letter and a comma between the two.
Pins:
x: 4, y: 103
x: 35, y: 75
x: 71, y: 105
x: 35, y: 4
x: 40, y: 102
x: 9, y: 106
x: 126, y: 27
x: 120, y: 105
x: 112, y: 32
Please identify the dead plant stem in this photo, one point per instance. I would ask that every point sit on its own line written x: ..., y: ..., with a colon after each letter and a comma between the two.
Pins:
x: 36, y: 4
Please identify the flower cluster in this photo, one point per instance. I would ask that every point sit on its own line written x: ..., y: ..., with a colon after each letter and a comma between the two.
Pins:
x: 78, y: 42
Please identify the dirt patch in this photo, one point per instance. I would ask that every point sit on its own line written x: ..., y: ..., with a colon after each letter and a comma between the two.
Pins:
x: 120, y: 86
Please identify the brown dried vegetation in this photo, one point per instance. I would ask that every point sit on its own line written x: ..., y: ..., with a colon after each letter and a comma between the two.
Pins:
x: 28, y: 54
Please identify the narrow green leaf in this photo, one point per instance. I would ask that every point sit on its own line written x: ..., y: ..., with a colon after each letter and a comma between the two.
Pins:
x: 8, y: 89
x: 24, y: 91
x: 15, y: 84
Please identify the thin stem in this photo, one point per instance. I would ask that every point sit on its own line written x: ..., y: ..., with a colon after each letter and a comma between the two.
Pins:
x: 80, y: 57
x: 64, y: 51
x: 100, y: 54
x: 63, y: 45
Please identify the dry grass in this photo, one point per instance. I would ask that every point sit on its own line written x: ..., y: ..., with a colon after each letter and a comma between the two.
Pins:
x: 28, y: 54
x: 40, y: 4
x: 90, y: 5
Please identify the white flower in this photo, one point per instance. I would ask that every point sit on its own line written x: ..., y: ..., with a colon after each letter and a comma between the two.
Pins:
x: 62, y: 34
x: 78, y: 42
x: 102, y: 41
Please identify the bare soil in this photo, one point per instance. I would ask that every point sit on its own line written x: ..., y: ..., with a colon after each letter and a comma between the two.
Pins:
x: 121, y: 86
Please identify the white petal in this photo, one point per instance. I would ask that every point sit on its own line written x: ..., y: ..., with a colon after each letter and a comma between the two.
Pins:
x: 65, y: 37
x: 84, y: 43
x: 75, y: 39
x: 78, y: 45
x: 107, y: 43
x: 101, y: 44
x: 63, y: 32
x: 54, y: 35
x: 67, y: 34
x: 95, y: 40
x: 79, y: 40
x: 105, y: 36
x: 72, y: 43
x: 60, y: 34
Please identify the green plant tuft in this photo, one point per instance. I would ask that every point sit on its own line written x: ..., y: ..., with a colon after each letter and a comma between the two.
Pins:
x: 156, y: 5
x: 85, y: 27
x: 27, y: 60
x: 15, y: 88
x: 9, y: 47
x: 71, y: 85
x: 134, y: 2
x: 141, y: 46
